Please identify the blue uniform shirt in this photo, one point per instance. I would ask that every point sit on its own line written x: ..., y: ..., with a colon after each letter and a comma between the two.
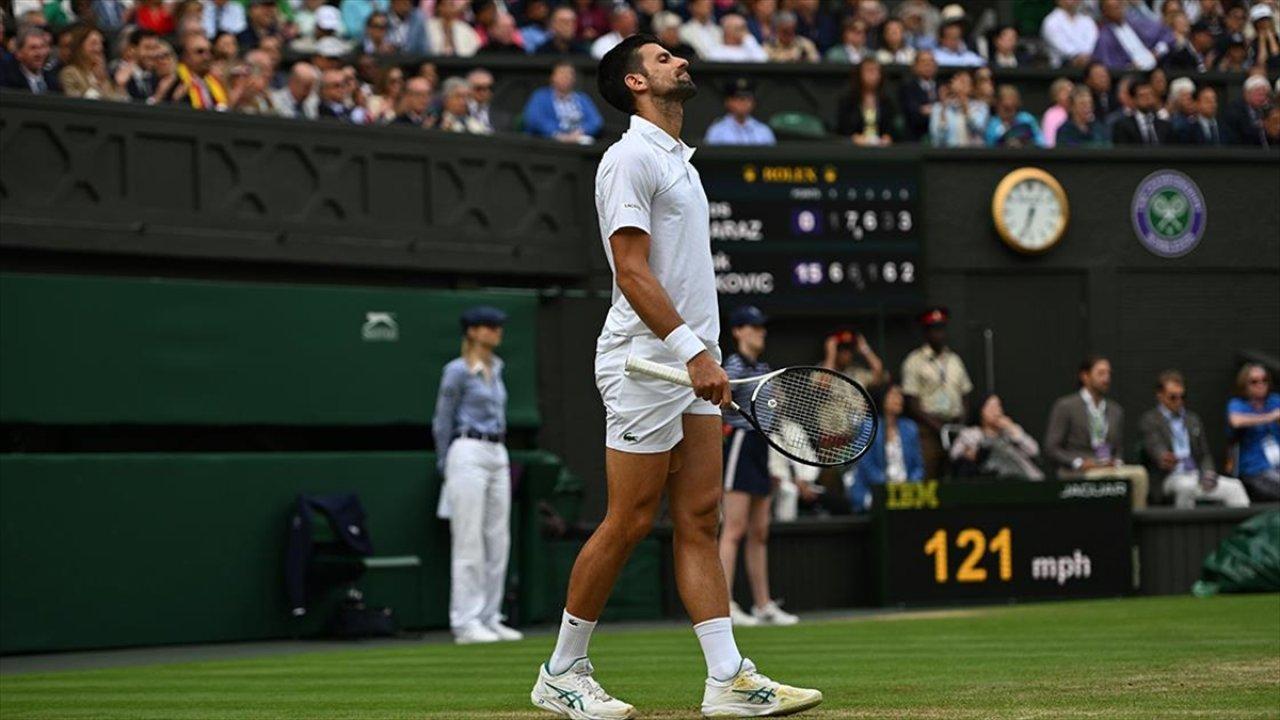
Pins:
x: 1254, y: 440
x: 738, y: 367
x: 727, y: 131
x: 468, y: 402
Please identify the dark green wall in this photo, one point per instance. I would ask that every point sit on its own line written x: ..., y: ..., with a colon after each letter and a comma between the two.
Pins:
x: 82, y: 350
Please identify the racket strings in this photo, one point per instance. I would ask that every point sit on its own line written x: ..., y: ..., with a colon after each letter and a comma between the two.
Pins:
x: 814, y: 415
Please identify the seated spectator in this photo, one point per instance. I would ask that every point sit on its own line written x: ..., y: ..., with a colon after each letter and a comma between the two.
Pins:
x: 1266, y: 44
x: 169, y: 87
x: 701, y: 30
x: 870, y: 12
x: 1069, y: 34
x: 154, y: 15
x: 384, y: 103
x: 133, y: 71
x: 563, y: 38
x: 330, y: 54
x: 918, y: 95
x: 813, y: 23
x: 866, y: 115
x: 304, y: 18
x: 248, y: 91
x: 27, y: 69
x: 893, y: 48
x: 1271, y: 126
x: 454, y: 114
x: 1143, y: 127
x: 376, y: 40
x: 853, y: 43
x: 1234, y: 21
x: 560, y: 112
x: 262, y: 23
x: 1174, y: 444
x: 920, y: 21
x: 1123, y: 105
x: 760, y: 20
x: 666, y: 25
x: 1234, y: 57
x: 533, y: 24
x: 841, y: 352
x: 448, y: 34
x: 502, y: 37
x: 226, y: 53
x: 1082, y: 129
x: 1186, y: 53
x: 951, y: 50
x: 1003, y: 49
x: 222, y: 16
x: 416, y: 105
x: 894, y: 455
x: 483, y: 13
x: 1254, y: 418
x: 480, y: 106
x: 86, y: 74
x: 1180, y: 108
x: 1119, y: 47
x: 984, y: 86
x: 1012, y: 126
x: 328, y: 24
x: 959, y: 120
x: 992, y: 444
x: 1202, y: 128
x: 592, y: 19
x: 737, y: 44
x: 1085, y: 436
x: 1098, y: 79
x: 622, y: 24
x: 408, y: 29
x: 334, y: 97
x: 1242, y: 124
x: 298, y: 99
x: 786, y: 46
x: 645, y: 12
x: 1060, y: 92
x: 737, y: 127
x: 355, y: 13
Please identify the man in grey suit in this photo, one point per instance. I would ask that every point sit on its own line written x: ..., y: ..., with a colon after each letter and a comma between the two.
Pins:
x: 1085, y: 437
x: 1175, y: 449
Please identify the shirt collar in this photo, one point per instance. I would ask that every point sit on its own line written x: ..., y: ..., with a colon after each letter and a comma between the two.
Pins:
x: 1168, y: 414
x: 477, y: 367
x: 659, y: 137
x: 1088, y: 400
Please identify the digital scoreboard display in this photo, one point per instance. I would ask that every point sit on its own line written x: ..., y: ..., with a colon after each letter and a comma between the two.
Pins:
x: 1002, y: 540
x: 839, y: 234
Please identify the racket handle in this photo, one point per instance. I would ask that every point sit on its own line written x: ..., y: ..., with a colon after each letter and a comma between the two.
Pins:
x: 658, y: 370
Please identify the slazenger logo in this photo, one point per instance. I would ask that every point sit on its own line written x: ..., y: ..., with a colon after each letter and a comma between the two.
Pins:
x: 380, y: 327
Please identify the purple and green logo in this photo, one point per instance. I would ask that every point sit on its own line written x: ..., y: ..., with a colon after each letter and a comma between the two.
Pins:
x: 1168, y: 213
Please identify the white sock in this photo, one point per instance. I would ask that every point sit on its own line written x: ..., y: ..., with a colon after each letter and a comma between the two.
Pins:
x: 718, y: 646
x: 571, y: 645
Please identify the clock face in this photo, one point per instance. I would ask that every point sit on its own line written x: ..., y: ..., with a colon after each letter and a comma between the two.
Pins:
x: 1033, y: 215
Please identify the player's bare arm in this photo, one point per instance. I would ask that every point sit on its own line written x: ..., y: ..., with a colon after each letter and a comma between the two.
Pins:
x: 653, y: 305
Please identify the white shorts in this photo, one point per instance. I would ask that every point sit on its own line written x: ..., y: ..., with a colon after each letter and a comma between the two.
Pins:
x: 642, y: 414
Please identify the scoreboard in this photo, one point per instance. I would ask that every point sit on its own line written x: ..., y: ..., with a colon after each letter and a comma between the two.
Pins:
x: 813, y: 234
x: 988, y: 540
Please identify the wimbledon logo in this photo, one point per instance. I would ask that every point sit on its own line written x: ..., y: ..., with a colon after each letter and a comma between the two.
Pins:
x: 1168, y: 213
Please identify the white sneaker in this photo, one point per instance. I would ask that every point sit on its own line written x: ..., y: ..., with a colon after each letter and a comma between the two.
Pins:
x: 474, y: 633
x: 740, y: 617
x: 503, y: 632
x: 771, y: 614
x: 575, y: 694
x: 750, y: 694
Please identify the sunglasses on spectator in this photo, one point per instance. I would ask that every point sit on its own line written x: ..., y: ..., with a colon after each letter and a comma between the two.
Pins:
x: 1258, y: 381
x: 1177, y: 396
x: 481, y: 87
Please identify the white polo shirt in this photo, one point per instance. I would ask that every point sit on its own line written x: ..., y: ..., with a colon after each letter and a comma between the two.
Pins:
x: 645, y: 181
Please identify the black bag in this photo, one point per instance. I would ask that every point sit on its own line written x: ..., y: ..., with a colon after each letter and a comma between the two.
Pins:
x: 353, y: 620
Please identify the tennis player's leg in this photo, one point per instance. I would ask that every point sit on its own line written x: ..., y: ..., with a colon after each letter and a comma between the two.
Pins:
x: 734, y: 688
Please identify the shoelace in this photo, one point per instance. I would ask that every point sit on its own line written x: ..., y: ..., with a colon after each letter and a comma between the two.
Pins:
x: 593, y: 688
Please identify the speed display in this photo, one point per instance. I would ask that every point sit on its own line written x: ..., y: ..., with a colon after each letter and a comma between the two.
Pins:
x: 840, y: 234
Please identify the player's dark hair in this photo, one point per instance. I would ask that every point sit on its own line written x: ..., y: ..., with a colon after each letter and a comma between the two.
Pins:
x: 616, y: 65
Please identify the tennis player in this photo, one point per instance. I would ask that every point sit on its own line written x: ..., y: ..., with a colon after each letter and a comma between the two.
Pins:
x: 658, y: 436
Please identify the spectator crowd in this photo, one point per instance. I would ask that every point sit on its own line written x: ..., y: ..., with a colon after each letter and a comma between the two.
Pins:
x: 370, y: 62
x: 934, y: 425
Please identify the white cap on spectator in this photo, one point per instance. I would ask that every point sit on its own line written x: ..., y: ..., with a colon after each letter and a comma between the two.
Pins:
x: 1182, y: 85
x: 329, y: 18
x: 665, y: 20
x: 331, y: 47
x: 1254, y: 81
x: 1259, y: 12
x: 952, y: 13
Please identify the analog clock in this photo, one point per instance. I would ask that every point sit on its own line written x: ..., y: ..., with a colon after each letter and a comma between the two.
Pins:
x: 1030, y: 210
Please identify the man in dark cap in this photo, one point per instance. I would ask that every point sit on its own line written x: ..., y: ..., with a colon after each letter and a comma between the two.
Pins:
x: 737, y: 127
x: 935, y: 383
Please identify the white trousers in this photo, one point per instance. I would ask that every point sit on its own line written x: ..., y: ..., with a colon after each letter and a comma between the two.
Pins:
x: 1185, y: 489
x: 477, y: 500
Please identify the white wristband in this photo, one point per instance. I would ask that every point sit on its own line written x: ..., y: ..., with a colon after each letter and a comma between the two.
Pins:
x: 683, y: 343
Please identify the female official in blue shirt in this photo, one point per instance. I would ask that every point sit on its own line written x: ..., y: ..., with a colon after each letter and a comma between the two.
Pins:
x: 470, y: 426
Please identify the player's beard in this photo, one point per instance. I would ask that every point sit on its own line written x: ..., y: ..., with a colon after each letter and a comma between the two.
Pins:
x: 684, y: 89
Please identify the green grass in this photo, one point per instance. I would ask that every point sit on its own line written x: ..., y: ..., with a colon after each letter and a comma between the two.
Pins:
x: 1142, y: 658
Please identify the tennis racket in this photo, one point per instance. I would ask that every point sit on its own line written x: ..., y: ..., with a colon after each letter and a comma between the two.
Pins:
x: 812, y: 415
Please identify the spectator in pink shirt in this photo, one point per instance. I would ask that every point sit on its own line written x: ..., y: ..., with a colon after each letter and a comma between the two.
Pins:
x: 1056, y: 115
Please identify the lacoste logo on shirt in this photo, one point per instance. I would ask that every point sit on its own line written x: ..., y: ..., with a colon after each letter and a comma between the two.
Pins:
x: 630, y: 437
